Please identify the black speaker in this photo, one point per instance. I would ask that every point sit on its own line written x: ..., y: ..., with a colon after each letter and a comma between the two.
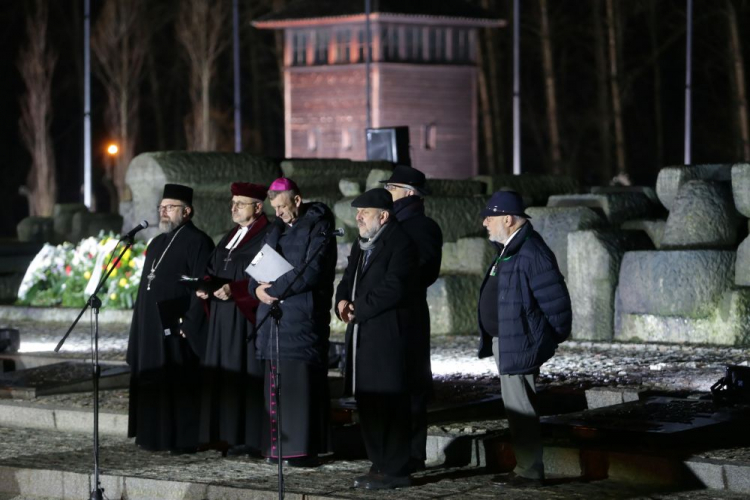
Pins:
x: 389, y: 143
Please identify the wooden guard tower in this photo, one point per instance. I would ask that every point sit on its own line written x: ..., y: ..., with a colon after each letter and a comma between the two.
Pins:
x: 422, y: 74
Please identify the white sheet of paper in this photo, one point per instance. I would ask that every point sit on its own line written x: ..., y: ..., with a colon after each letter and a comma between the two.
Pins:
x: 268, y: 265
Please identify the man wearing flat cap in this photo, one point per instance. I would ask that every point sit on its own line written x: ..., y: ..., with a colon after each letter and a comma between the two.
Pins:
x: 377, y: 298
x: 232, y: 399
x: 300, y: 233
x: 167, y: 334
x: 407, y: 186
x: 524, y: 313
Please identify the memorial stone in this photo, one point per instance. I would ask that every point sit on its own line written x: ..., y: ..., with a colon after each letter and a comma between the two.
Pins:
x: 594, y: 258
x: 702, y: 216
x: 555, y: 223
x: 670, y: 179
x: 36, y: 230
x: 616, y: 207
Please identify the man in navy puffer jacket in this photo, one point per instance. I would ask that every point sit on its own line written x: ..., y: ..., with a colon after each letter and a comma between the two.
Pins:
x: 524, y: 309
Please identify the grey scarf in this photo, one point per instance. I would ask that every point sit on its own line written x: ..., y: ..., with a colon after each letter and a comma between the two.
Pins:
x: 366, y: 245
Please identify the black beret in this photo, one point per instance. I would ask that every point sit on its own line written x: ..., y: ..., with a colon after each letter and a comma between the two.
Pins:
x: 374, y: 198
x: 178, y: 192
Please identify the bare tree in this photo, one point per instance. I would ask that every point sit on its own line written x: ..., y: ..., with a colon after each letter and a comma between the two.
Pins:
x: 738, y: 65
x: 614, y: 82
x: 36, y: 63
x: 658, y: 116
x: 550, y: 89
x: 202, y: 29
x: 604, y: 115
x: 120, y: 42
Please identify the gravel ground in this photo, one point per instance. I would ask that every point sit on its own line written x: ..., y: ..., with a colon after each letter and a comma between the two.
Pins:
x: 457, y: 371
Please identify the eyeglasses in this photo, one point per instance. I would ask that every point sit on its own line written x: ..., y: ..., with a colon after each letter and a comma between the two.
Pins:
x: 393, y: 187
x: 241, y: 204
x: 168, y: 208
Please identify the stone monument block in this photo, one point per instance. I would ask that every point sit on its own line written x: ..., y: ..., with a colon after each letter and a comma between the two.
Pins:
x: 36, y: 230
x: 741, y: 187
x: 467, y: 256
x: 726, y: 325
x: 375, y: 176
x: 87, y: 224
x: 617, y: 207
x: 350, y: 187
x: 681, y: 283
x: 653, y: 228
x: 555, y: 223
x: 670, y: 179
x: 742, y: 265
x: 148, y: 172
x: 453, y: 187
x: 62, y: 215
x: 594, y: 258
x: 344, y: 211
x: 452, y: 300
x: 702, y: 216
x: 534, y: 188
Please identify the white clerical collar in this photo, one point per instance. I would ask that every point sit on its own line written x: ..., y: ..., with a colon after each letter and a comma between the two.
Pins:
x: 511, y: 236
x: 235, y: 241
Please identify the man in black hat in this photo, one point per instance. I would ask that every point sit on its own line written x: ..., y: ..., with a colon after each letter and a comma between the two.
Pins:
x: 377, y: 298
x: 167, y: 334
x: 407, y: 186
x: 524, y: 308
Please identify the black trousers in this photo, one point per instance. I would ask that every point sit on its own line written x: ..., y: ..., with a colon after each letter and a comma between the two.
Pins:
x: 419, y: 426
x: 385, y: 420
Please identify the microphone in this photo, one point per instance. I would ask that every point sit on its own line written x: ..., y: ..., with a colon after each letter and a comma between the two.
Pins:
x: 339, y: 231
x: 139, y: 227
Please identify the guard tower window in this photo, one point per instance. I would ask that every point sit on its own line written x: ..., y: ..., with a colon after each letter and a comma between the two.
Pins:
x: 460, y: 42
x: 389, y: 36
x: 437, y: 44
x: 343, y: 46
x: 299, y: 46
x: 429, y: 136
x: 322, y: 39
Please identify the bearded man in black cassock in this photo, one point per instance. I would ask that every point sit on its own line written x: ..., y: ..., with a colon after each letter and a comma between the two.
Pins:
x: 232, y: 405
x: 167, y: 334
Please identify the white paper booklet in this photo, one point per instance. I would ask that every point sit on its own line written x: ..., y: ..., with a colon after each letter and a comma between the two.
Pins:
x: 268, y: 265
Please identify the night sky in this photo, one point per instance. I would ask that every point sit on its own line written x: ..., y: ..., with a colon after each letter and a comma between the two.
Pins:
x: 715, y: 132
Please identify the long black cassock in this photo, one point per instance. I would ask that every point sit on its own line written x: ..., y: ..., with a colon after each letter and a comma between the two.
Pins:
x: 232, y: 406
x: 164, y: 369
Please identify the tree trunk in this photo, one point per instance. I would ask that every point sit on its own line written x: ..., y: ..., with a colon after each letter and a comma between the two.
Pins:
x: 549, y: 85
x: 604, y: 115
x: 495, y: 91
x: 156, y: 101
x: 658, y: 117
x: 740, y: 98
x: 37, y: 63
x: 614, y: 80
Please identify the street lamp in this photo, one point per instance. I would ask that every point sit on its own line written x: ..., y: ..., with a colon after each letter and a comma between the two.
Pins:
x: 112, y: 149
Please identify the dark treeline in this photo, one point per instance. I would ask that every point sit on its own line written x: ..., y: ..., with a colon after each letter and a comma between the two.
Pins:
x: 602, y: 89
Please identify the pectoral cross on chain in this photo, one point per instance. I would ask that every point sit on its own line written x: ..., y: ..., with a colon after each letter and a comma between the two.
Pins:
x: 151, y: 276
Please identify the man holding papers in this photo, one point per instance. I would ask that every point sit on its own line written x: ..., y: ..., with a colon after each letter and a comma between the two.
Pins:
x: 300, y: 233
x: 232, y: 396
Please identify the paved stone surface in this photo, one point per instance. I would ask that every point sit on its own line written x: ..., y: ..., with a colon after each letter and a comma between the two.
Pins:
x: 31, y: 454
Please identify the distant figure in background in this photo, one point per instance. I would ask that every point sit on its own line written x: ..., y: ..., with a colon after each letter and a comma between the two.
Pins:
x: 379, y: 299
x: 167, y: 334
x: 524, y: 307
x: 407, y: 187
x: 232, y: 406
x: 299, y: 231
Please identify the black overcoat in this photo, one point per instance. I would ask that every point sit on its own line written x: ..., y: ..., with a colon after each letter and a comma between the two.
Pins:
x: 305, y: 324
x: 427, y: 236
x: 384, y: 307
x: 164, y: 376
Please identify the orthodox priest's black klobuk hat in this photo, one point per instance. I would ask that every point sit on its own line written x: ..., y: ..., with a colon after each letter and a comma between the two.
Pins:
x: 178, y: 192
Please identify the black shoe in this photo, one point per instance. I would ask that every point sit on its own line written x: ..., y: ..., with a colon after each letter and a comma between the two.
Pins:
x: 416, y: 465
x: 361, y: 481
x: 513, y: 480
x: 302, y: 462
x: 183, y: 451
x: 388, y: 482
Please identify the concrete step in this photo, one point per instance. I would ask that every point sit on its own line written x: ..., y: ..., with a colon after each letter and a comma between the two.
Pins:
x: 61, y: 314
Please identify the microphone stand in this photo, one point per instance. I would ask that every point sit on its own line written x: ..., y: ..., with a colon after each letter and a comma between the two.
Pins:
x: 95, y: 303
x: 276, y: 313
